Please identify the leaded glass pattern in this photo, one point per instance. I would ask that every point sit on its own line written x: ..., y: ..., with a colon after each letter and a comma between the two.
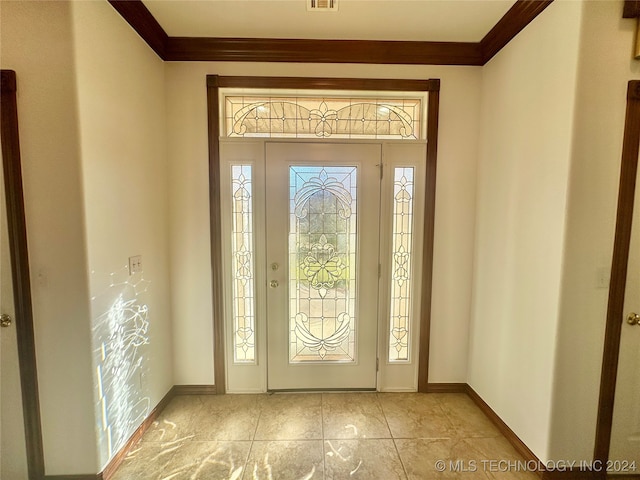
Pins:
x: 322, y: 263
x: 242, y: 264
x: 313, y: 117
x: 402, y: 238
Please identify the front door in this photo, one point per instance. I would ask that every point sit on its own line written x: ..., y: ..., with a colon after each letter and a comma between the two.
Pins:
x: 322, y: 236
x: 625, y: 435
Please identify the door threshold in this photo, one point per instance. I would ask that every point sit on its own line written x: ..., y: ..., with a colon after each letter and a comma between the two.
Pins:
x: 319, y: 390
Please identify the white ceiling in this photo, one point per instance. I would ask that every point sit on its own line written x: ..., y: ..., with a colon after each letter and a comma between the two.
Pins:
x: 422, y: 20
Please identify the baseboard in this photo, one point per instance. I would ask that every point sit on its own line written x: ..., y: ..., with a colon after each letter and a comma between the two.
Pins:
x: 573, y: 474
x: 446, y: 388
x: 195, y: 389
x: 528, y: 455
x: 519, y: 445
x: 118, y: 458
x: 89, y: 476
x: 509, y: 434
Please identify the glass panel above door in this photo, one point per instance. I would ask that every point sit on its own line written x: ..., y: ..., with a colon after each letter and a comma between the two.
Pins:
x: 299, y: 116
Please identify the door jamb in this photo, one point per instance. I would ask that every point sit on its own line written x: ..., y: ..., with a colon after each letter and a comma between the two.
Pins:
x: 214, y: 83
x: 619, y: 264
x: 20, y: 273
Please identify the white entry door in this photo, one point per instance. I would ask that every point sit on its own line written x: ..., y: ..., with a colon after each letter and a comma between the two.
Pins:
x: 625, y: 436
x: 13, y: 459
x: 322, y: 229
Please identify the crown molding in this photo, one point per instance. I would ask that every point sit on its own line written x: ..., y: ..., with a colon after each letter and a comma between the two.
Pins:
x: 139, y: 17
x: 322, y: 51
x: 511, y: 24
x: 328, y: 51
x: 631, y: 9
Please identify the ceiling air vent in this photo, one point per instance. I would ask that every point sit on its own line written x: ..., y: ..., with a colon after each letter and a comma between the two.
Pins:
x: 322, y: 5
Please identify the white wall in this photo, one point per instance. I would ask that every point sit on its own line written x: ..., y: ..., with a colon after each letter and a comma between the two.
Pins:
x: 605, y: 67
x: 120, y: 86
x: 526, y: 121
x: 37, y: 42
x: 92, y: 125
x: 189, y: 208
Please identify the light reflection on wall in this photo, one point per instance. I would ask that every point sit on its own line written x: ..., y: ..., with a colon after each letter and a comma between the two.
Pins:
x: 120, y: 339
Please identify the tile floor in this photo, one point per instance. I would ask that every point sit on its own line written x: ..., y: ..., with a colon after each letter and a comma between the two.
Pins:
x: 320, y: 436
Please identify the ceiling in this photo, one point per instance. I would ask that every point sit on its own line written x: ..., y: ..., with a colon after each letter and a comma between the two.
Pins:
x: 418, y: 20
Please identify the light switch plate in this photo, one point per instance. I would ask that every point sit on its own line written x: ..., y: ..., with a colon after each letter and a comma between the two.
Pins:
x: 135, y: 264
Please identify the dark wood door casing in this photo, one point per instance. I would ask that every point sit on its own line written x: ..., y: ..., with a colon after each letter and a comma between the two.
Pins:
x: 214, y: 83
x: 619, y: 266
x: 16, y: 223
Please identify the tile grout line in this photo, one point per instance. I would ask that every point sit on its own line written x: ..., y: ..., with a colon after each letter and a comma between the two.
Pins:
x: 253, y: 438
x: 324, y: 456
x: 393, y: 439
x: 384, y: 415
x: 453, y: 413
x: 404, y: 468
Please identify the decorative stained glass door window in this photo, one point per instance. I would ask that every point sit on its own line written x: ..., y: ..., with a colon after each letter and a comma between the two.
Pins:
x: 242, y: 264
x: 402, y: 263
x: 322, y: 263
x: 322, y: 247
x: 341, y: 115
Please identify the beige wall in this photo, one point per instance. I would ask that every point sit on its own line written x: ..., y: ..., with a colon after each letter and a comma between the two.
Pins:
x: 37, y: 42
x: 189, y: 209
x: 92, y: 126
x: 605, y: 67
x: 120, y: 86
x: 526, y: 122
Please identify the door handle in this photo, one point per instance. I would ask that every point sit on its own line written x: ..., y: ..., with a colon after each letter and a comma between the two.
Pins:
x: 273, y: 283
x: 633, y: 319
x: 5, y: 320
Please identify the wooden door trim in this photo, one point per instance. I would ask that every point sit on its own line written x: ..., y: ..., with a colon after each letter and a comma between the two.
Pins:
x: 428, y: 237
x: 215, y: 215
x: 619, y: 264
x: 214, y: 83
x: 23, y: 321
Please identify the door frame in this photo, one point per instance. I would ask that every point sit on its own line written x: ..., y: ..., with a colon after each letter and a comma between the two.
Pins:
x: 619, y: 264
x: 16, y: 224
x: 214, y: 83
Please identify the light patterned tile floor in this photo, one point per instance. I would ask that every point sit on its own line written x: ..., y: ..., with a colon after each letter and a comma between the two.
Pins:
x: 322, y: 436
